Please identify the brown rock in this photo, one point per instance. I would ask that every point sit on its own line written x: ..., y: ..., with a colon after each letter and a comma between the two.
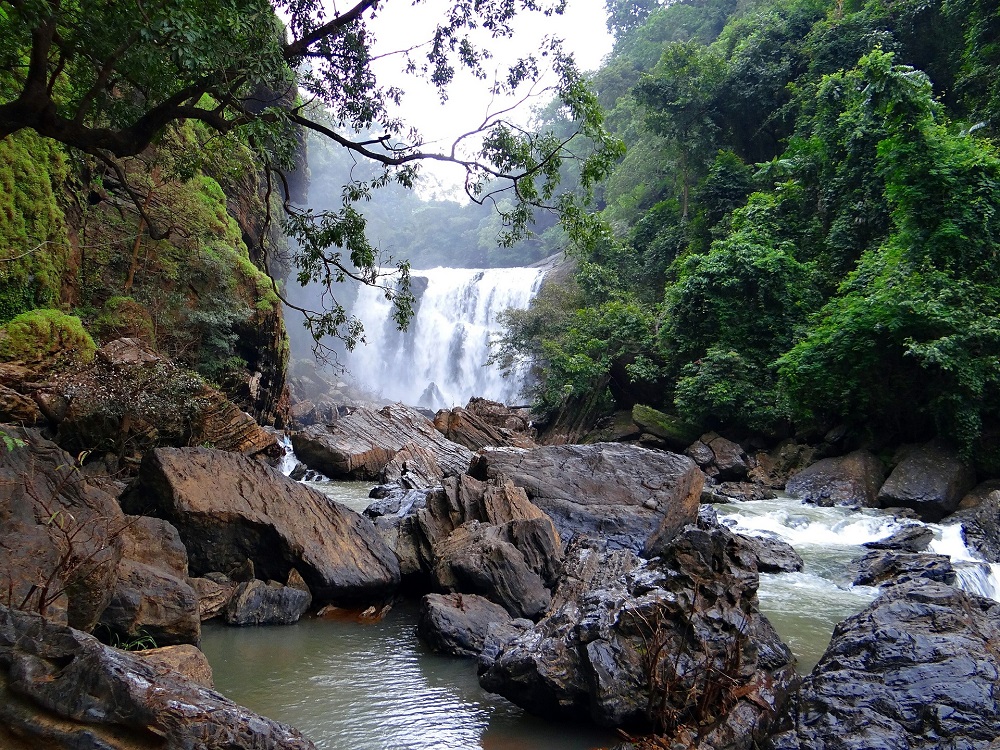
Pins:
x: 228, y: 507
x: 413, y: 468
x: 484, y: 423
x: 185, y: 659
x: 213, y: 596
x: 17, y: 408
x: 458, y: 624
x: 360, y: 445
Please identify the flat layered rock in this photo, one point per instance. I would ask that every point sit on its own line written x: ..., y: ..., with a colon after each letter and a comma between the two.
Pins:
x: 631, y: 497
x: 229, y: 508
x: 361, y: 444
x: 63, y: 690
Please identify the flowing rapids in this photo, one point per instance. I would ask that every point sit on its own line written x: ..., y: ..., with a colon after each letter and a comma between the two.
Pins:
x: 804, y: 607
x: 440, y: 361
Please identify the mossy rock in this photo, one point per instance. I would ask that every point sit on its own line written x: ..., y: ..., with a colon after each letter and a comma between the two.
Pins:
x: 677, y: 433
x: 46, y: 336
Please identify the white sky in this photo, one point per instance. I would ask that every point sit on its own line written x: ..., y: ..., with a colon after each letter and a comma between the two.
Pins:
x: 582, y: 27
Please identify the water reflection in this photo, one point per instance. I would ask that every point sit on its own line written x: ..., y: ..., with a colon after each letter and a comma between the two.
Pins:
x: 368, y: 686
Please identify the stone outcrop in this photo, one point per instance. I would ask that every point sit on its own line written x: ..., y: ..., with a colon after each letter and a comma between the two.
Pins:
x: 485, y: 423
x: 675, y: 433
x: 916, y: 670
x: 474, y: 537
x: 228, y: 508
x: 361, y: 444
x: 259, y: 603
x: 930, y: 479
x: 773, y: 555
x: 675, y: 644
x: 64, y: 690
x: 213, y: 595
x: 632, y: 497
x: 720, y: 458
x: 60, y: 533
x: 981, y: 527
x: 890, y: 566
x: 911, y: 538
x: 152, y: 596
x: 851, y: 480
x: 183, y: 658
x: 458, y: 624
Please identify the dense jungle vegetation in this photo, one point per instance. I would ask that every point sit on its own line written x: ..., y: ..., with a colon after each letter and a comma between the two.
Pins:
x: 804, y: 230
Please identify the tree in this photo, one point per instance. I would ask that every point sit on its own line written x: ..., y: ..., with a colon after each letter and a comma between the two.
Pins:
x: 108, y: 78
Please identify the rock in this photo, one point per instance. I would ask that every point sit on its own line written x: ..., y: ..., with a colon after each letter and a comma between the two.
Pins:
x: 916, y: 670
x: 739, y: 492
x: 981, y: 527
x: 155, y: 542
x: 259, y: 603
x: 615, y: 428
x: 18, y: 409
x: 484, y: 423
x: 185, y: 659
x: 148, y: 601
x: 889, y: 566
x: 213, y: 596
x: 60, y: 533
x: 228, y: 507
x: 851, y: 480
x: 730, y: 461
x: 63, y: 689
x: 672, y: 430
x: 479, y: 559
x: 602, y: 489
x: 773, y: 555
x: 360, y: 445
x: 931, y: 479
x: 413, y: 468
x: 974, y: 497
x: 775, y: 467
x: 457, y: 624
x: 131, y: 399
x: 693, y: 612
x: 911, y: 538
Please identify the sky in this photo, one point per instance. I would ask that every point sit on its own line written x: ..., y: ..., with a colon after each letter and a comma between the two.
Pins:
x: 582, y: 27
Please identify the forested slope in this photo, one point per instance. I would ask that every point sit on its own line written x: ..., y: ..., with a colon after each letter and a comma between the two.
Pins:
x: 803, y: 232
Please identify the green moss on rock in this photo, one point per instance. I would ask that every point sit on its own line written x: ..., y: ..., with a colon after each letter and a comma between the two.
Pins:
x: 46, y: 336
x: 676, y: 432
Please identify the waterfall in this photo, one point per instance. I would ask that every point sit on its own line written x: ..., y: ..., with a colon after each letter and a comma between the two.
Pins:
x: 440, y: 361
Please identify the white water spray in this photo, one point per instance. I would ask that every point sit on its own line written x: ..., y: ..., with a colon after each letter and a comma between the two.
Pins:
x: 441, y: 360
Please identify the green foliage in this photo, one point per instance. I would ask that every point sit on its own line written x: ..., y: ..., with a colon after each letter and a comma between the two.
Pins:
x: 46, y: 336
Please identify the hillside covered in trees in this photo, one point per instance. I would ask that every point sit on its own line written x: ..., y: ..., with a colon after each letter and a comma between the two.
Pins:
x: 804, y: 231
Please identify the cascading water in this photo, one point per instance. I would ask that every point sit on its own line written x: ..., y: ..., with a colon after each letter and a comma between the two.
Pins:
x: 440, y: 361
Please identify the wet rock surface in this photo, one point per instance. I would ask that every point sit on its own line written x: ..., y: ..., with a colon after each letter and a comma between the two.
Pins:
x: 632, y: 497
x: 259, y: 603
x: 62, y: 689
x: 852, y: 480
x: 228, y: 508
x: 891, y: 566
x: 916, y: 670
x: 675, y: 644
x: 912, y: 538
x: 458, y: 624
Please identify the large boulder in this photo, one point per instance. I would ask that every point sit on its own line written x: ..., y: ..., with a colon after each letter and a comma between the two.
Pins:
x: 259, y: 603
x: 891, y: 566
x: 632, y: 497
x: 63, y: 690
x: 930, y: 479
x: 60, y: 533
x: 676, y: 643
x: 152, y: 597
x: 981, y: 526
x: 229, y: 508
x: 916, y: 670
x: 361, y: 444
x: 851, y: 480
x: 458, y: 624
x: 720, y: 458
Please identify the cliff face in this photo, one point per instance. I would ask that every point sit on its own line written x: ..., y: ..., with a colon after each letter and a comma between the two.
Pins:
x: 74, y: 239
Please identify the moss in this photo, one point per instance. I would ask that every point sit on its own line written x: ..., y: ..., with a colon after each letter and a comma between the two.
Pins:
x: 674, y: 430
x: 34, y: 248
x: 123, y: 316
x: 44, y: 335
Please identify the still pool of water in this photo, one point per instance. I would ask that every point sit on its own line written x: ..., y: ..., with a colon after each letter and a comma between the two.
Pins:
x: 350, y: 685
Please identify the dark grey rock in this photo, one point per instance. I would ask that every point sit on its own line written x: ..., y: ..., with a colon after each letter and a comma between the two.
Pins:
x: 931, y: 479
x: 911, y: 538
x: 852, y: 480
x: 890, y: 566
x: 602, y: 489
x: 458, y: 624
x: 916, y: 670
x: 260, y: 603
